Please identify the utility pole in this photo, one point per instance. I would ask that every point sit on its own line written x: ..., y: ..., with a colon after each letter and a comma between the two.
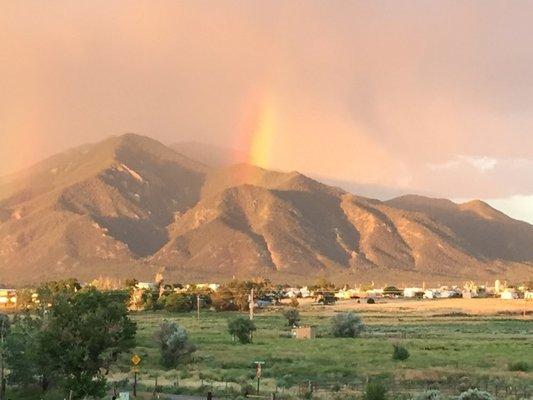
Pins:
x: 198, y: 308
x: 251, y: 304
x: 135, y: 384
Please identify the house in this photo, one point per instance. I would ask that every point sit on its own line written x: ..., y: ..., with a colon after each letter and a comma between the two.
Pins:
x: 509, y: 294
x: 412, y: 292
x: 304, y: 332
x: 448, y: 294
x: 346, y: 294
x: 8, y: 298
x: 146, y: 286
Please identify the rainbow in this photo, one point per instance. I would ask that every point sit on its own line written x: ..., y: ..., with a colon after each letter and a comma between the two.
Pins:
x: 259, y: 134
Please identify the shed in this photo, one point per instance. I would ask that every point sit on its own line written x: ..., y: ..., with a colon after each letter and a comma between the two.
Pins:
x: 304, y: 332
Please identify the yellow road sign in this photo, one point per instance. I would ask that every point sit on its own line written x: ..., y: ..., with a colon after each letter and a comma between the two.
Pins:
x: 135, y: 360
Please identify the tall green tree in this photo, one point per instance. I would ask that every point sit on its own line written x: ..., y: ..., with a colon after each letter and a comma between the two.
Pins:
x: 28, y: 363
x: 73, y: 343
x: 85, y: 333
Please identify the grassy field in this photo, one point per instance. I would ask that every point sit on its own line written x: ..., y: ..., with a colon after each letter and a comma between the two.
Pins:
x: 453, y: 344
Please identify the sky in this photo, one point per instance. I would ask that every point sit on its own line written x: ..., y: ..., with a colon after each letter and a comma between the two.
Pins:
x: 379, y: 97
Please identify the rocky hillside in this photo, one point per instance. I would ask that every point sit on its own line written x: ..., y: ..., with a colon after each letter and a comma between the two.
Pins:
x: 131, y: 206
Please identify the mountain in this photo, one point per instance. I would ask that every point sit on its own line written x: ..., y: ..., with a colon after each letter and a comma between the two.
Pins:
x: 92, y: 207
x: 131, y: 206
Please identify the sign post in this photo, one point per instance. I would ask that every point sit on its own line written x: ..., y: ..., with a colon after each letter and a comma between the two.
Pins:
x: 258, y: 368
x: 135, y: 361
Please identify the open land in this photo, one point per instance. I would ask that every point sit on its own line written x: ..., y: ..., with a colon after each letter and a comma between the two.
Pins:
x: 453, y: 344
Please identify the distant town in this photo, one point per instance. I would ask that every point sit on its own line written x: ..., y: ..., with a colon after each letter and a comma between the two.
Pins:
x: 322, y: 292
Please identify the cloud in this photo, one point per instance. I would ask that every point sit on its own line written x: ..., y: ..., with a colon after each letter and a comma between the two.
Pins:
x: 385, y: 94
x: 481, y: 163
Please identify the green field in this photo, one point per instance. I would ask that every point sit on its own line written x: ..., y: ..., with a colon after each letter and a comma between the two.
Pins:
x: 447, y: 351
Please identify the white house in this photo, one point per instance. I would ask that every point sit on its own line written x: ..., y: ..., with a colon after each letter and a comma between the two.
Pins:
x: 509, y: 294
x: 412, y: 291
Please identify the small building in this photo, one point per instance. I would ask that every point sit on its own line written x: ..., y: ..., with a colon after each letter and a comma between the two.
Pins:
x: 412, y: 292
x: 304, y: 332
x: 509, y: 294
x: 8, y: 298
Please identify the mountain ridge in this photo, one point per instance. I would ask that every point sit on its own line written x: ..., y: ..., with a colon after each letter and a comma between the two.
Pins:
x: 129, y: 205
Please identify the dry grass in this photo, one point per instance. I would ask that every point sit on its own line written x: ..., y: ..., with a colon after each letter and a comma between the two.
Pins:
x: 431, y: 307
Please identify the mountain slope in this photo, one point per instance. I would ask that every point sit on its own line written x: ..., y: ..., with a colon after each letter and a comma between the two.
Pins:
x: 485, y: 232
x: 108, y: 202
x: 130, y: 206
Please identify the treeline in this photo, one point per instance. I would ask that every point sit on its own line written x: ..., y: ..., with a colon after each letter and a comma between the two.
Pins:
x: 233, y: 296
x: 67, y: 340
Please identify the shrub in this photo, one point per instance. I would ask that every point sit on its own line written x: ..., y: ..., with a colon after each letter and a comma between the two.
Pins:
x: 294, y: 302
x: 177, y: 302
x: 241, y: 328
x: 223, y: 300
x: 375, y: 390
x: 346, y: 325
x: 400, y: 353
x: 519, y: 366
x: 293, y: 316
x: 432, y: 394
x: 174, y: 344
x: 474, y: 394
x: 370, y: 300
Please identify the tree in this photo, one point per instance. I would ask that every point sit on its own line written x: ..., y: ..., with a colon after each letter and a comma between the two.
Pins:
x: 234, y: 295
x: 399, y: 352
x: 28, y: 361
x: 375, y: 390
x: 24, y: 299
x: 241, y: 328
x: 346, y: 325
x: 293, y: 316
x: 474, y: 394
x: 174, y: 344
x: 50, y: 291
x: 76, y: 341
x: 177, y: 302
x: 223, y: 300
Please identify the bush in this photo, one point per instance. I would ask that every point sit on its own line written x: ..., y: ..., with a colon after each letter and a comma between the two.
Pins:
x: 177, y: 302
x: 174, y: 344
x: 370, y: 300
x: 346, y: 325
x: 375, y: 390
x: 293, y: 316
x: 241, y: 328
x: 519, y: 366
x: 400, y: 353
x: 294, y: 302
x: 432, y: 394
x: 474, y: 394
